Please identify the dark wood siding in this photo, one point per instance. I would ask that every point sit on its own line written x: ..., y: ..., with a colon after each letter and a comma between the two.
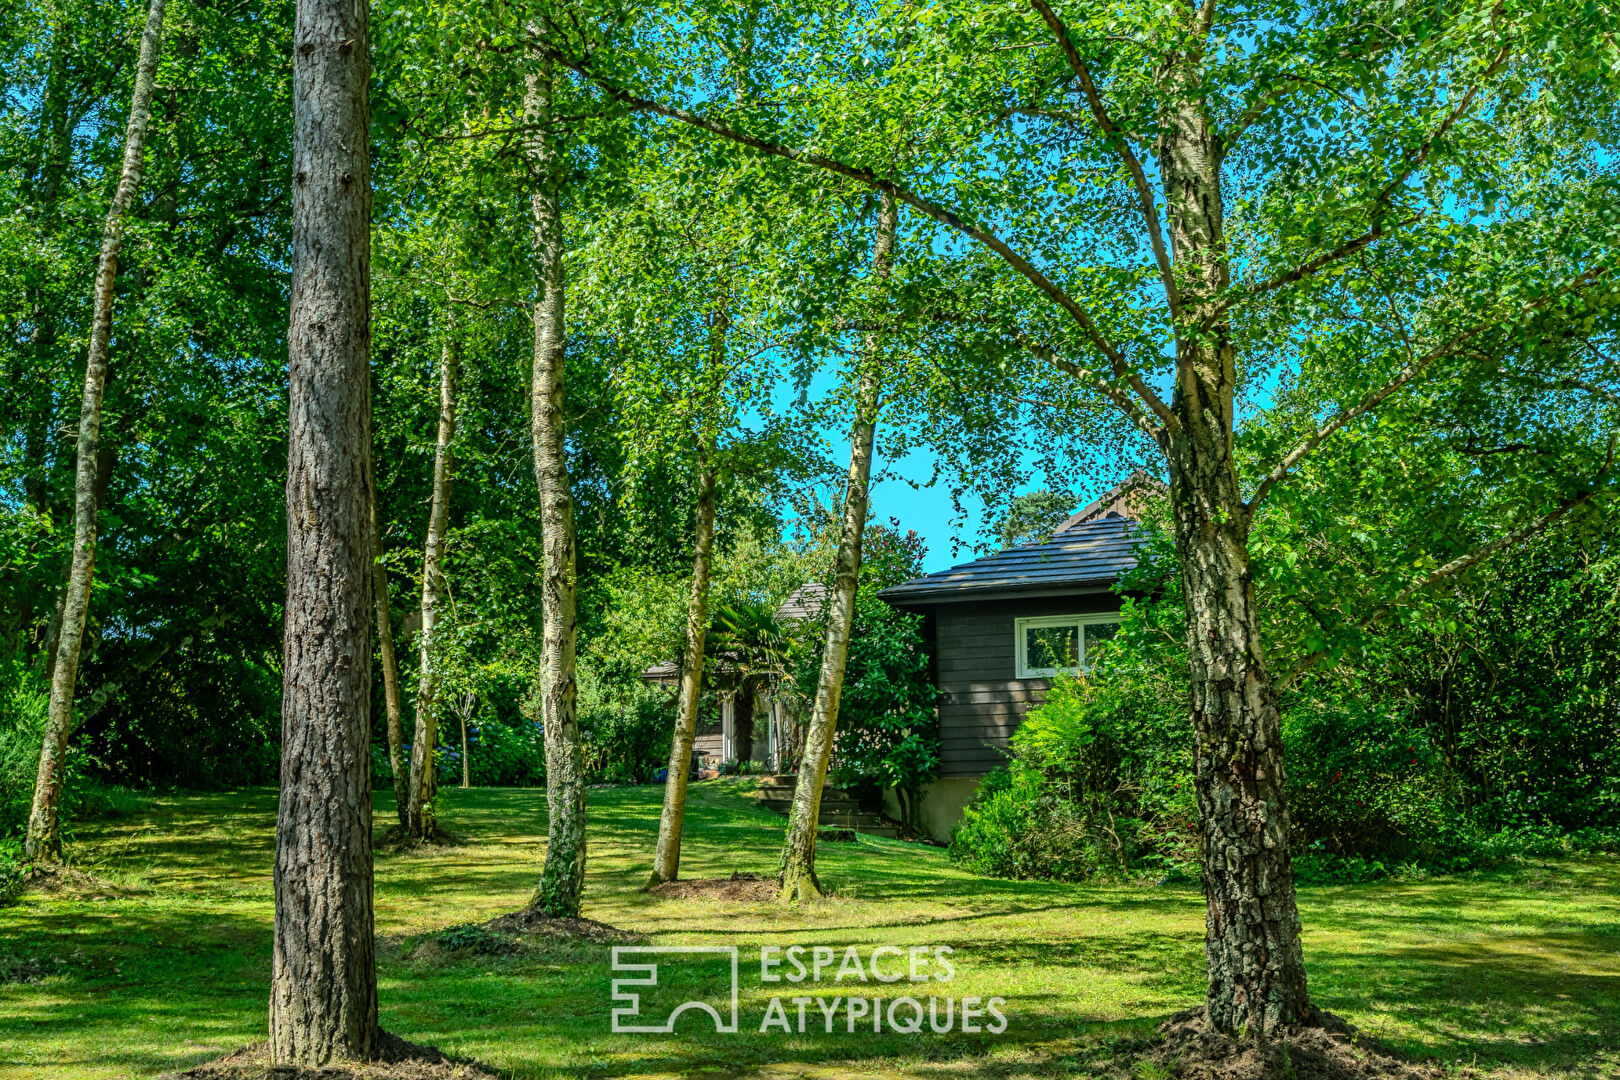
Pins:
x: 982, y: 702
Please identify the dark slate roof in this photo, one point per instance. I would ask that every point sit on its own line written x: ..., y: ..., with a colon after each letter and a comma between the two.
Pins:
x: 1082, y: 557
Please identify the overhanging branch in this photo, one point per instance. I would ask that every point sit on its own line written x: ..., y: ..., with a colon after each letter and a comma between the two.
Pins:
x: 1411, y: 371
x: 1117, y: 140
x: 926, y: 207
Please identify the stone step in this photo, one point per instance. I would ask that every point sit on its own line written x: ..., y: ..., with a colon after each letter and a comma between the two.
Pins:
x: 839, y: 809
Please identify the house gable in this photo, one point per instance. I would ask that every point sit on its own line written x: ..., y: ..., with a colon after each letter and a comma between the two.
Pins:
x: 972, y: 614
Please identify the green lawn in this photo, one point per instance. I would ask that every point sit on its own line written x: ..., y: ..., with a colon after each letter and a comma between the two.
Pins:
x: 1517, y: 970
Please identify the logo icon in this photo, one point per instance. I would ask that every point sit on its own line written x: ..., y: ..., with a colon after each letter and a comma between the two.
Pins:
x: 646, y: 975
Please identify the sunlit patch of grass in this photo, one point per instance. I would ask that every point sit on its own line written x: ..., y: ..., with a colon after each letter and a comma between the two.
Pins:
x: 1518, y: 970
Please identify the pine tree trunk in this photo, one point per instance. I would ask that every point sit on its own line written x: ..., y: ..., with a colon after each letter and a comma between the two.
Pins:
x: 397, y: 764
x: 563, y: 877
x: 323, y: 982
x: 1252, y: 926
x: 798, y: 873
x: 44, y: 841
x: 424, y: 745
x: 667, y: 862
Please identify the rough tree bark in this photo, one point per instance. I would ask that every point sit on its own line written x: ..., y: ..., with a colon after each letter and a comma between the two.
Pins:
x: 667, y: 861
x: 798, y: 871
x: 1252, y: 926
x: 323, y: 982
x: 563, y: 877
x: 397, y: 764
x: 44, y: 840
x: 425, y: 740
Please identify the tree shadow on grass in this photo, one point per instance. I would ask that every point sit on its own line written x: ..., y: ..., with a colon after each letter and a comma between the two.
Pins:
x: 193, y: 979
x: 1533, y: 999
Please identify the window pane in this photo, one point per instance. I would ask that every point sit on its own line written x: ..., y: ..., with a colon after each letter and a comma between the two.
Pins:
x: 1096, y: 633
x: 1051, y: 647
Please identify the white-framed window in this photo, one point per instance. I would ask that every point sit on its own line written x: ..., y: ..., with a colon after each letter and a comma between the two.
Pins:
x: 1051, y: 644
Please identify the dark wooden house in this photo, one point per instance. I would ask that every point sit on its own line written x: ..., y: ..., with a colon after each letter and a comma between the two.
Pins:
x: 1001, y: 627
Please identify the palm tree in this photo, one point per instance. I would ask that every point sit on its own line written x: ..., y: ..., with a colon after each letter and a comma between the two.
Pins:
x: 750, y: 650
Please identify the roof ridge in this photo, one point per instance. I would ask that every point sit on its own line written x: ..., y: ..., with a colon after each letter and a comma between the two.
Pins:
x: 1114, y: 500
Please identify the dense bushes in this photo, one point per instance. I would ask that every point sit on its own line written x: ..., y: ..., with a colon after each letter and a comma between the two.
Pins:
x: 626, y: 729
x: 24, y: 696
x: 887, y: 735
x: 1443, y: 744
x: 1100, y: 775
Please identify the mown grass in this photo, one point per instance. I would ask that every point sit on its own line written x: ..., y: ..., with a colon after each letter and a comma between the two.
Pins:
x: 1517, y: 971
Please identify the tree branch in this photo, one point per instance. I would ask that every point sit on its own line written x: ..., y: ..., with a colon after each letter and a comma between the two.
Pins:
x: 1464, y: 562
x: 1131, y: 409
x: 929, y: 209
x: 1382, y: 203
x: 1144, y: 192
x: 1374, y: 398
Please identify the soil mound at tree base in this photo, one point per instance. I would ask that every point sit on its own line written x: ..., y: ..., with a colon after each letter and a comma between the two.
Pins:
x: 396, y: 840
x: 397, y: 1059
x: 68, y: 883
x: 536, y: 922
x: 757, y: 888
x: 1329, y: 1049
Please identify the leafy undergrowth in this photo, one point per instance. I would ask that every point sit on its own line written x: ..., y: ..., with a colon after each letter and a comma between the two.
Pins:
x: 1509, y: 973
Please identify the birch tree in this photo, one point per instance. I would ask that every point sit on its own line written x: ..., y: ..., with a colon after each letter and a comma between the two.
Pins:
x: 425, y: 740
x: 691, y: 283
x: 798, y: 868
x: 563, y: 877
x: 44, y: 841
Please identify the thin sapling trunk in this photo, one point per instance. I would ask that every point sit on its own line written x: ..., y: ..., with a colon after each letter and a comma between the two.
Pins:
x: 667, y: 862
x: 424, y: 773
x: 44, y: 840
x: 397, y: 764
x: 798, y: 873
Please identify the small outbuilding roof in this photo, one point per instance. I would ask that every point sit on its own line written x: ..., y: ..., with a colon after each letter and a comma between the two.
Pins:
x: 808, y: 601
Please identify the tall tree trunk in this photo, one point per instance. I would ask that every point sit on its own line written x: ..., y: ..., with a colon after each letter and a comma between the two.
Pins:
x: 397, y: 764
x: 1252, y: 926
x: 44, y: 840
x: 563, y: 877
x: 323, y: 982
x: 424, y: 775
x: 667, y: 861
x: 798, y: 874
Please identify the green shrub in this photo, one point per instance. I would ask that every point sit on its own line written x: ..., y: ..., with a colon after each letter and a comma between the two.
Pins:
x: 888, y: 733
x: 502, y: 754
x: 626, y: 730
x: 1100, y: 777
x: 1018, y: 826
x: 13, y: 871
x: 23, y: 701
